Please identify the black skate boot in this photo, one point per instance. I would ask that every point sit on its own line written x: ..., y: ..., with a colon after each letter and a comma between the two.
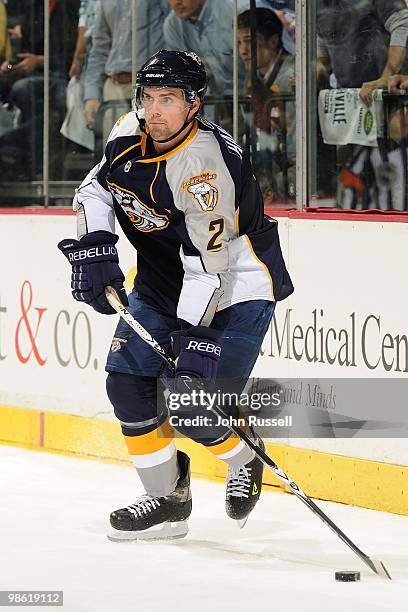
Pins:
x: 156, y: 518
x: 244, y: 488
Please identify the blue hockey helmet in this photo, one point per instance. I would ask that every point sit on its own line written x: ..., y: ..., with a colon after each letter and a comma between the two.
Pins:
x: 182, y: 69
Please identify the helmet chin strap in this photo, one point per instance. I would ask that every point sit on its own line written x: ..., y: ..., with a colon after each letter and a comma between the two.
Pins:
x: 142, y: 123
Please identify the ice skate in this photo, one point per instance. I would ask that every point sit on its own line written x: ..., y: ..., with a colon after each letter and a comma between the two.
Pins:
x: 244, y: 486
x: 156, y: 518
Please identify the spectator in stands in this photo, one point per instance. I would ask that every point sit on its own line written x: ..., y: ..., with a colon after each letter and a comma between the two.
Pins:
x: 15, y: 17
x: 27, y: 90
x: 398, y: 84
x: 5, y: 47
x: 88, y: 11
x: 398, y: 120
x: 204, y: 26
x: 285, y: 10
x: 273, y: 116
x: 10, y: 45
x: 74, y: 127
x: 362, y: 43
x: 15, y: 12
x: 6, y: 118
x: 108, y: 73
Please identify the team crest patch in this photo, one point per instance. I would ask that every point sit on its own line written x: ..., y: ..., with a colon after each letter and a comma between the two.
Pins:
x: 117, y: 344
x: 143, y: 218
x: 203, y: 192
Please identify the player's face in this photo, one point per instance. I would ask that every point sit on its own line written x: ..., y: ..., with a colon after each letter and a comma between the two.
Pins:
x: 186, y: 9
x: 165, y: 110
x: 266, y: 49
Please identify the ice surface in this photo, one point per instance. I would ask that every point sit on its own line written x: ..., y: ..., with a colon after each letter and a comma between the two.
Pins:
x: 53, y: 524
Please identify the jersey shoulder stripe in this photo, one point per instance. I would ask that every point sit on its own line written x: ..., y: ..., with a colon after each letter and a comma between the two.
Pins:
x: 222, y: 136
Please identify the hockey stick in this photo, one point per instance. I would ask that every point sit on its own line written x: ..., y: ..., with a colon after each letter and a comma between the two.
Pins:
x: 375, y: 565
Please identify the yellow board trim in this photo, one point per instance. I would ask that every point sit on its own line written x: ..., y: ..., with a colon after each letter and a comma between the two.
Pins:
x: 360, y: 482
x: 129, y: 281
x: 22, y: 426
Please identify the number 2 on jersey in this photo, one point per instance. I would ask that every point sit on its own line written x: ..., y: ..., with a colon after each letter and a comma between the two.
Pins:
x: 216, y: 226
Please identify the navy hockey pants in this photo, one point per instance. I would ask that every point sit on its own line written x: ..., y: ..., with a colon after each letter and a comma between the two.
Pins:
x: 136, y: 399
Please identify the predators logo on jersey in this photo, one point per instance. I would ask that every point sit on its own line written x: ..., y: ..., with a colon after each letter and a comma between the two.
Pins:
x: 204, y: 192
x: 143, y: 218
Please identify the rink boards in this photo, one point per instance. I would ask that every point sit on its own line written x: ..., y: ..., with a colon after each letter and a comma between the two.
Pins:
x: 351, y: 294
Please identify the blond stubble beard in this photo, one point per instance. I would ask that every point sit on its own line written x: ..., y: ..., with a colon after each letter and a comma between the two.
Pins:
x: 159, y: 132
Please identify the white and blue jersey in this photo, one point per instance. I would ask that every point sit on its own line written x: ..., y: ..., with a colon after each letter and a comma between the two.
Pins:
x: 195, y: 216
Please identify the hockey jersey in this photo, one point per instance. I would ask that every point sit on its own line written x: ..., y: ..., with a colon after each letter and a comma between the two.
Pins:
x: 195, y: 216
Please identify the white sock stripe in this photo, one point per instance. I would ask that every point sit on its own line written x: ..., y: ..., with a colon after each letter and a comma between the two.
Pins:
x: 156, y: 458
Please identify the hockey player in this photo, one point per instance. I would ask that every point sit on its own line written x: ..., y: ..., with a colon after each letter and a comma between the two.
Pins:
x: 210, y: 270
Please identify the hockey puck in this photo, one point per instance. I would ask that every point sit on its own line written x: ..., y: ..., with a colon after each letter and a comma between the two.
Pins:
x: 347, y: 576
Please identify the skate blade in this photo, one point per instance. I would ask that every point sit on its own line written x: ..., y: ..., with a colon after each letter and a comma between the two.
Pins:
x: 166, y: 531
x: 242, y: 522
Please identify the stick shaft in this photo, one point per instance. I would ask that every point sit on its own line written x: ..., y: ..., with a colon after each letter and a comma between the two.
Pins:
x: 376, y: 566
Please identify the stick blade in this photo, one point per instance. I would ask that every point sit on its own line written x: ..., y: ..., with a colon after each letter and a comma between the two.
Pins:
x: 380, y: 568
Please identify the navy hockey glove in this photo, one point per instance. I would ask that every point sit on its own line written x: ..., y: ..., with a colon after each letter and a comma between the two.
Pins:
x: 94, y: 260
x: 197, y: 352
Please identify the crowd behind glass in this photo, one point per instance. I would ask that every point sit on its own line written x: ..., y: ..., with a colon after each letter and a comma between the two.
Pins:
x: 353, y: 44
